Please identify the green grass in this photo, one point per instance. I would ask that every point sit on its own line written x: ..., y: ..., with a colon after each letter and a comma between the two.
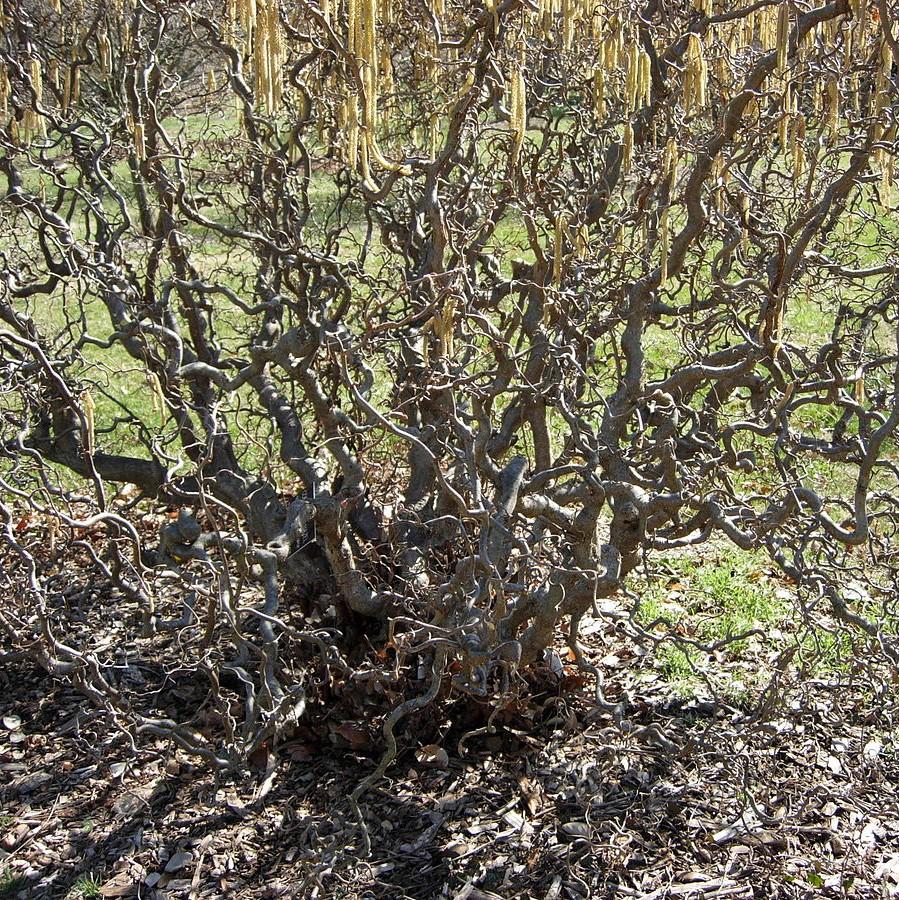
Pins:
x: 11, y: 884
x: 85, y: 887
x: 709, y: 599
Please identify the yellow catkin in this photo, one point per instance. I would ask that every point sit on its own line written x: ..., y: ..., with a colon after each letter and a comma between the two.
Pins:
x: 599, y: 94
x: 75, y: 82
x: 34, y: 122
x: 444, y: 326
x: 105, y: 49
x: 789, y: 110
x: 156, y: 393
x: 597, y: 20
x: 861, y: 22
x: 559, y: 246
x: 798, y: 146
x: 386, y: 69
x: 139, y: 148
x: 783, y: 35
x: 671, y: 163
x: 887, y: 178
x: 582, y: 241
x: 858, y: 388
x: 88, y: 410
x: 268, y: 52
x: 4, y: 92
x: 364, y: 166
x: 365, y: 42
x: 352, y: 133
x: 433, y: 136
x: 569, y: 20
x: 768, y: 27
x: 545, y: 16
x: 627, y: 147
x: 744, y: 215
x: 610, y: 55
x: 34, y: 70
x: 882, y: 84
x: 369, y: 54
x: 644, y: 88
x: 518, y: 110
x: 695, y: 76
x: 352, y: 17
x: 663, y: 246
x: 631, y: 80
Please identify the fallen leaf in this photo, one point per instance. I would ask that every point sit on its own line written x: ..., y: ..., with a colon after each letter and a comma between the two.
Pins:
x: 871, y: 750
x: 433, y: 755
x: 353, y: 734
x: 179, y: 861
x: 576, y: 829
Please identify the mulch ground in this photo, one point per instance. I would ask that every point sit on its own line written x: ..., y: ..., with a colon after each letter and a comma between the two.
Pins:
x: 685, y: 799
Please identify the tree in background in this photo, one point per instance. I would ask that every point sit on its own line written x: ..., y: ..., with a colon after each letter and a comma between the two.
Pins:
x: 431, y: 322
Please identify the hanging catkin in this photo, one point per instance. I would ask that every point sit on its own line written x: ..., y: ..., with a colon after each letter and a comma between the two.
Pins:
x: 786, y: 118
x: 599, y: 94
x: 670, y: 163
x: 627, y: 147
x: 4, y: 92
x: 363, y: 27
x: 744, y: 216
x: 433, y: 136
x: 797, y: 138
x: 34, y: 122
x: 268, y: 53
x: 105, y: 52
x: 569, y: 20
x: 518, y: 110
x: 783, y: 35
x: 156, y: 392
x: 139, y: 148
x: 631, y: 83
x: 695, y: 76
x: 351, y: 118
x: 663, y: 246
x: 559, y: 246
x: 582, y: 241
x: 88, y: 407
x: 644, y: 81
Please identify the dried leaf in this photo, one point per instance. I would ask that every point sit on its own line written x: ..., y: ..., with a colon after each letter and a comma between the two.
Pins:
x: 433, y: 755
x: 179, y: 861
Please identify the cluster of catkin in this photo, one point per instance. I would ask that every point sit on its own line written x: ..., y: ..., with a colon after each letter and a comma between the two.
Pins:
x: 257, y: 24
x: 374, y: 67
